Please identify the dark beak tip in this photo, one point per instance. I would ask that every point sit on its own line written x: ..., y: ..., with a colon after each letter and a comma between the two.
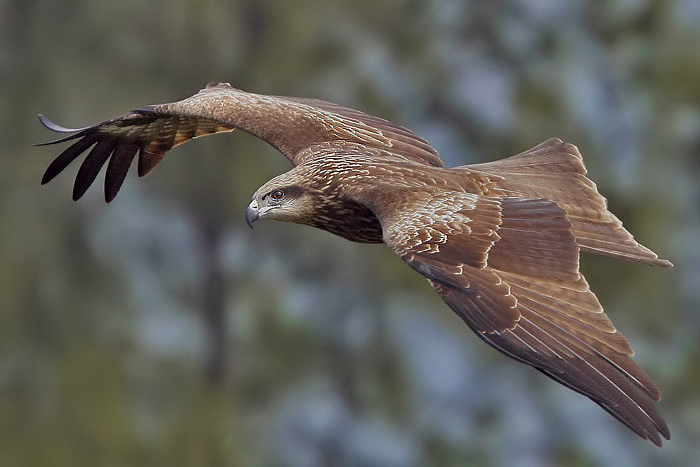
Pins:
x: 251, y: 215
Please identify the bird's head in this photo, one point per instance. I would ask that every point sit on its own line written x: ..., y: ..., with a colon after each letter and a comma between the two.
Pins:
x: 281, y: 199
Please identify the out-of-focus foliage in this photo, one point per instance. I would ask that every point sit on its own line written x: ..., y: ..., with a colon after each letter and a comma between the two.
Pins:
x: 159, y: 330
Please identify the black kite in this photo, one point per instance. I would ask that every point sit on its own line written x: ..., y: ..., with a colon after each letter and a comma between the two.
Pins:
x: 498, y: 241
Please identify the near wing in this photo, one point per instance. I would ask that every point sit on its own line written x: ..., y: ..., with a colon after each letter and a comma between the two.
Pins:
x: 509, y: 268
x: 296, y: 127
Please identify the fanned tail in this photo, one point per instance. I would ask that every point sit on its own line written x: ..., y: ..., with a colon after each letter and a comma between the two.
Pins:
x: 554, y: 170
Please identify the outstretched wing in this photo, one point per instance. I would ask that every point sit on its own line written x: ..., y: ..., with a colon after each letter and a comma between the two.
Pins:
x: 299, y: 128
x: 509, y: 268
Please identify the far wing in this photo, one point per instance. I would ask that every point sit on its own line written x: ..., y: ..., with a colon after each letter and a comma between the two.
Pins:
x: 299, y: 128
x: 509, y: 268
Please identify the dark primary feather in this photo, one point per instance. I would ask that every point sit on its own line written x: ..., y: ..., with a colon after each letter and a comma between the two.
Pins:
x: 91, y: 166
x: 67, y: 156
x: 498, y: 241
x: 117, y: 168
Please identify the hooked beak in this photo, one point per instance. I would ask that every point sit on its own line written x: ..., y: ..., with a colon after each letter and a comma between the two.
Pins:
x: 251, y: 213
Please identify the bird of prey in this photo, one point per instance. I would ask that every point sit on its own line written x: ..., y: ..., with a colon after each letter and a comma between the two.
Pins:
x: 498, y: 241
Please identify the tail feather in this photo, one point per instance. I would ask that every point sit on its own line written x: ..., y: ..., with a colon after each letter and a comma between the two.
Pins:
x: 554, y: 170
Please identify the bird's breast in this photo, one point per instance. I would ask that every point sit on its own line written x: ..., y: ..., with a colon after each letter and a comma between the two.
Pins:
x: 348, y: 219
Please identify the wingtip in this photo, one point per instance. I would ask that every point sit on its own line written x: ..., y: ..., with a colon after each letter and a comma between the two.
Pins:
x: 55, y: 126
x: 658, y: 438
x: 660, y: 262
x: 44, y: 120
x: 79, y: 190
x: 110, y: 193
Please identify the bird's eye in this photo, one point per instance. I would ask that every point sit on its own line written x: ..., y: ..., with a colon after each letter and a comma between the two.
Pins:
x: 277, y: 195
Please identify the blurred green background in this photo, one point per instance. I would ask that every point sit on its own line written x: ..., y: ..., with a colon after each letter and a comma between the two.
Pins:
x: 160, y: 330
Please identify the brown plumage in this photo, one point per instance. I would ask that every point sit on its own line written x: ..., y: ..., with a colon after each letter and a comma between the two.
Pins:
x: 498, y: 241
